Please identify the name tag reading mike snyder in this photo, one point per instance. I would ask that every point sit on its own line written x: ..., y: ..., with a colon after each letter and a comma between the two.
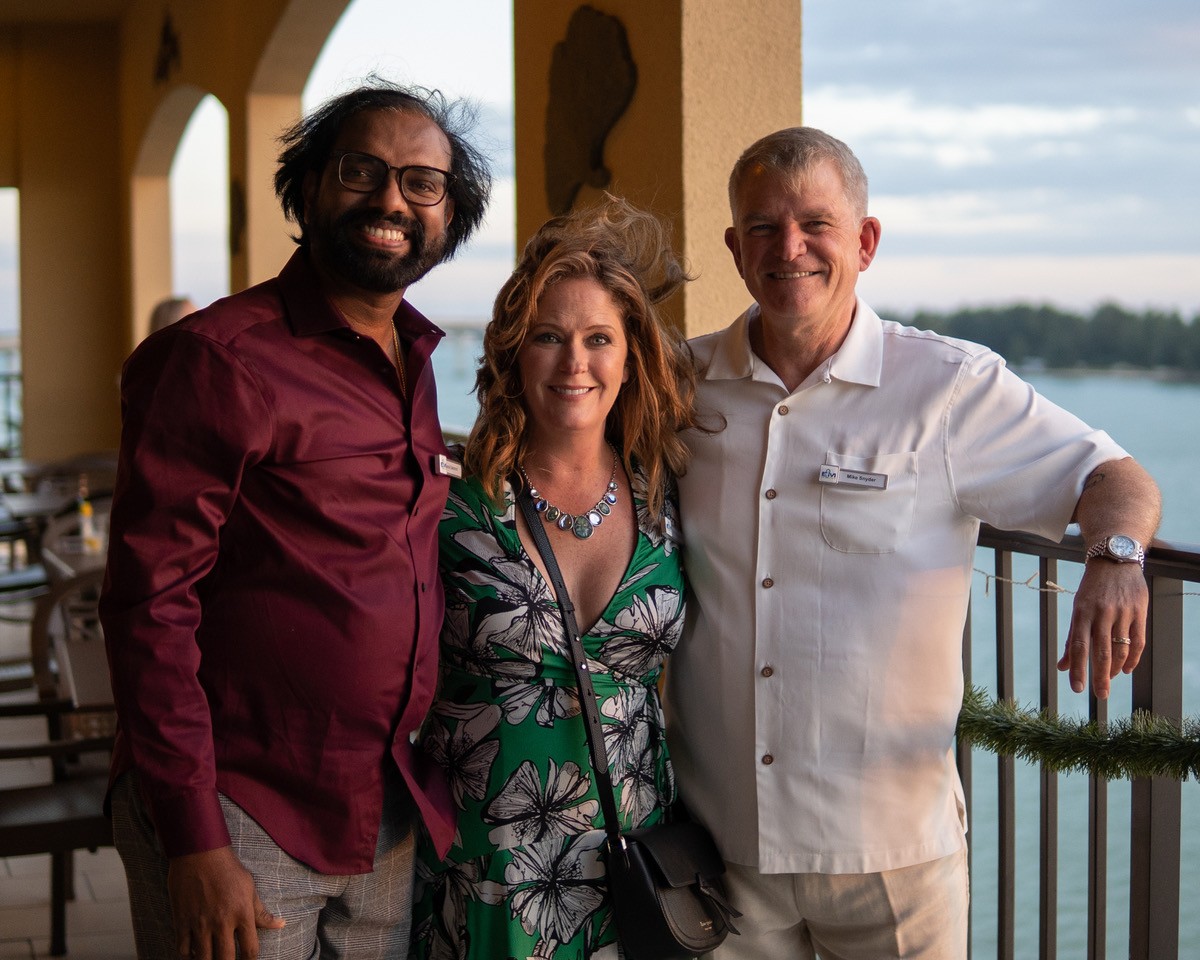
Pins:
x: 855, y: 478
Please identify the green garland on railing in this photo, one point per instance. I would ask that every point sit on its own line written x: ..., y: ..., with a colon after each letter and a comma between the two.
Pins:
x: 1141, y: 745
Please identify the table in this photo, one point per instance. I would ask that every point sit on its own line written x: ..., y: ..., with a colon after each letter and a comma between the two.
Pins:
x: 40, y: 506
x: 19, y: 470
x: 66, y: 559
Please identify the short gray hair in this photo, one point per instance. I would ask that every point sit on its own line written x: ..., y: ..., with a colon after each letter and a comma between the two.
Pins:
x: 796, y: 149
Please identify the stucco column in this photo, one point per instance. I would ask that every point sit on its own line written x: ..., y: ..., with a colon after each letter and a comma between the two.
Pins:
x: 653, y: 102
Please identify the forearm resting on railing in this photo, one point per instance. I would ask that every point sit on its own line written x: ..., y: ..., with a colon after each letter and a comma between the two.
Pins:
x: 1112, y: 600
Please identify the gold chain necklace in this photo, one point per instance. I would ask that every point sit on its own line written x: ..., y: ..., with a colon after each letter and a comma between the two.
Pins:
x: 585, y: 524
x: 399, y: 363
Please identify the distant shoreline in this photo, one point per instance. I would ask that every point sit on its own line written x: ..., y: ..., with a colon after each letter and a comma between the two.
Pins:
x: 1160, y: 374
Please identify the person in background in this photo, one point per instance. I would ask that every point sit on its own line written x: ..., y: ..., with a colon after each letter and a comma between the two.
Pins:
x: 170, y: 310
x: 830, y: 534
x: 582, y: 390
x: 271, y: 605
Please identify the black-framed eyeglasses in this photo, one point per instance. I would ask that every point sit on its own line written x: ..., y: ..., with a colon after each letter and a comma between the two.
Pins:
x: 364, y: 173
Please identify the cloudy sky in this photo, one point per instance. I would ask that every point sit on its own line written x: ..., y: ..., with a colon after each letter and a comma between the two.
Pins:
x: 1034, y: 150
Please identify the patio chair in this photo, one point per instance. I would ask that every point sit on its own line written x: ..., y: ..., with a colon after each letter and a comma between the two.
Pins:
x: 63, y: 812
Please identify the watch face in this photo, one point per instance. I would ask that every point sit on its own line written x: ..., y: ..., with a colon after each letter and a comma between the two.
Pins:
x: 1122, y: 546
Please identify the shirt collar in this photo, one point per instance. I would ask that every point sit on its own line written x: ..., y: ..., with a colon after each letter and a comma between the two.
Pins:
x: 309, y: 311
x: 860, y: 357
x: 858, y: 360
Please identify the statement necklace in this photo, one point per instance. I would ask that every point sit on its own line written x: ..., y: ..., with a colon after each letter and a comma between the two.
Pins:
x: 585, y: 524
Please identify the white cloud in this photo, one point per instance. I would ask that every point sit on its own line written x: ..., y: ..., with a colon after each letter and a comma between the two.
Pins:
x: 997, y: 214
x: 952, y: 136
x: 961, y: 214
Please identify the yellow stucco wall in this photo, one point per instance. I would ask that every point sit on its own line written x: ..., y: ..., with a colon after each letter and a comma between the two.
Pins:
x: 713, y: 76
x: 67, y: 167
x: 87, y: 134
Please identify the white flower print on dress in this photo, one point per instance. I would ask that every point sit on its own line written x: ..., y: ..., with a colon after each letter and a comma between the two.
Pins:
x: 556, y: 886
x: 524, y: 813
x: 654, y: 622
x: 521, y: 616
x: 468, y: 752
x: 553, y: 701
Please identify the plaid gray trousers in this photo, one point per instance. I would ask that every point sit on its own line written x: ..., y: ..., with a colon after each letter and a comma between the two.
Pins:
x: 359, y: 916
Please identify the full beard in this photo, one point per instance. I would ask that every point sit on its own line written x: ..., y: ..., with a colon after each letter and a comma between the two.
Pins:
x: 377, y: 271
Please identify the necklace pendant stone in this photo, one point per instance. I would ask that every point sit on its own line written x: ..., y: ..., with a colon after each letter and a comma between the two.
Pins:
x: 540, y: 506
x: 552, y: 513
x: 594, y: 518
x: 582, y: 528
x: 564, y: 521
x: 604, y: 508
x: 610, y: 498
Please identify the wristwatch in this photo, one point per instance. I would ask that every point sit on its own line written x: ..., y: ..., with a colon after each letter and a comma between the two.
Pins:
x: 1118, y: 547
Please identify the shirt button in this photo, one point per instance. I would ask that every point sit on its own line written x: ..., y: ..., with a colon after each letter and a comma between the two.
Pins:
x: 768, y: 759
x: 768, y: 582
x: 771, y: 494
x: 783, y: 410
x: 422, y: 588
x: 768, y: 671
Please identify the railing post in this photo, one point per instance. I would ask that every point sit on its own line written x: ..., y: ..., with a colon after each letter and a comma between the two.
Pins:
x: 1156, y: 803
x: 962, y: 750
x: 1048, y: 832
x: 1097, y: 927
x: 1006, y: 881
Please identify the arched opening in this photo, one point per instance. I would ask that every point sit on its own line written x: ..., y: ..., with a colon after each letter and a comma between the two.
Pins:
x: 10, y: 326
x: 150, y: 205
x: 199, y: 190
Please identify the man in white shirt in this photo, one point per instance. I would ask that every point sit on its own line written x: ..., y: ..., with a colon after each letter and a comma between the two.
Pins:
x: 830, y: 529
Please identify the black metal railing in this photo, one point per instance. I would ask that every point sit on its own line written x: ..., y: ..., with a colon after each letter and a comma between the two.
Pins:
x: 1155, y: 804
x: 10, y: 413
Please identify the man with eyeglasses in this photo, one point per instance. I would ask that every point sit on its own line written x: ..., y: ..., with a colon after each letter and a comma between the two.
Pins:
x: 272, y: 605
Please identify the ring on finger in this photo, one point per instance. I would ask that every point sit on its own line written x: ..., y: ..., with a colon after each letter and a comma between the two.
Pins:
x: 1124, y: 641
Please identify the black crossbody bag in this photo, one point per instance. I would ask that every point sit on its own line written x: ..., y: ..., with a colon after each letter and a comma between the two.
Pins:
x: 664, y: 881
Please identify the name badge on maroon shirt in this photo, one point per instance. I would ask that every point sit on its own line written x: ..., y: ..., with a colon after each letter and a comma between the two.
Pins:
x: 447, y: 467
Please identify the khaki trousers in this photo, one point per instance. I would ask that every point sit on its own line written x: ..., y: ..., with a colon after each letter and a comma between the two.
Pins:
x: 912, y: 913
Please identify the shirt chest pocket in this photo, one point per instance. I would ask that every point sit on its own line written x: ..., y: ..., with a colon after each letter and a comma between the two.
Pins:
x: 861, y: 515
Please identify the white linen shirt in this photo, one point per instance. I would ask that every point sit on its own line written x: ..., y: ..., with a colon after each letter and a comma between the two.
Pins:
x: 813, y: 700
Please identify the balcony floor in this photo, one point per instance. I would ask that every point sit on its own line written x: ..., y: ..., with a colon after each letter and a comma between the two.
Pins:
x: 98, y: 924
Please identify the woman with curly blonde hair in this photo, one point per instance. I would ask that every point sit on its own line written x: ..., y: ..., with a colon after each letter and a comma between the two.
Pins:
x: 583, y: 388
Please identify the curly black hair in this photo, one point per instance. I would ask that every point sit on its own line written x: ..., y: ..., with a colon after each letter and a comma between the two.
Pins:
x: 307, y: 145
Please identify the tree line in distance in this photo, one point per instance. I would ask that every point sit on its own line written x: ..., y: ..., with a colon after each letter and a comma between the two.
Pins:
x: 1110, y: 337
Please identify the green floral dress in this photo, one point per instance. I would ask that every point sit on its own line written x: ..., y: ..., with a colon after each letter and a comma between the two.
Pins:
x: 525, y: 877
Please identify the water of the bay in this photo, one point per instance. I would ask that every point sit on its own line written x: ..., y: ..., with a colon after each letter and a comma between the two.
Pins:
x: 1158, y: 422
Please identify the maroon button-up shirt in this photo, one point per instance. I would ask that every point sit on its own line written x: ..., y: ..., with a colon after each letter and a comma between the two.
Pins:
x: 272, y: 603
